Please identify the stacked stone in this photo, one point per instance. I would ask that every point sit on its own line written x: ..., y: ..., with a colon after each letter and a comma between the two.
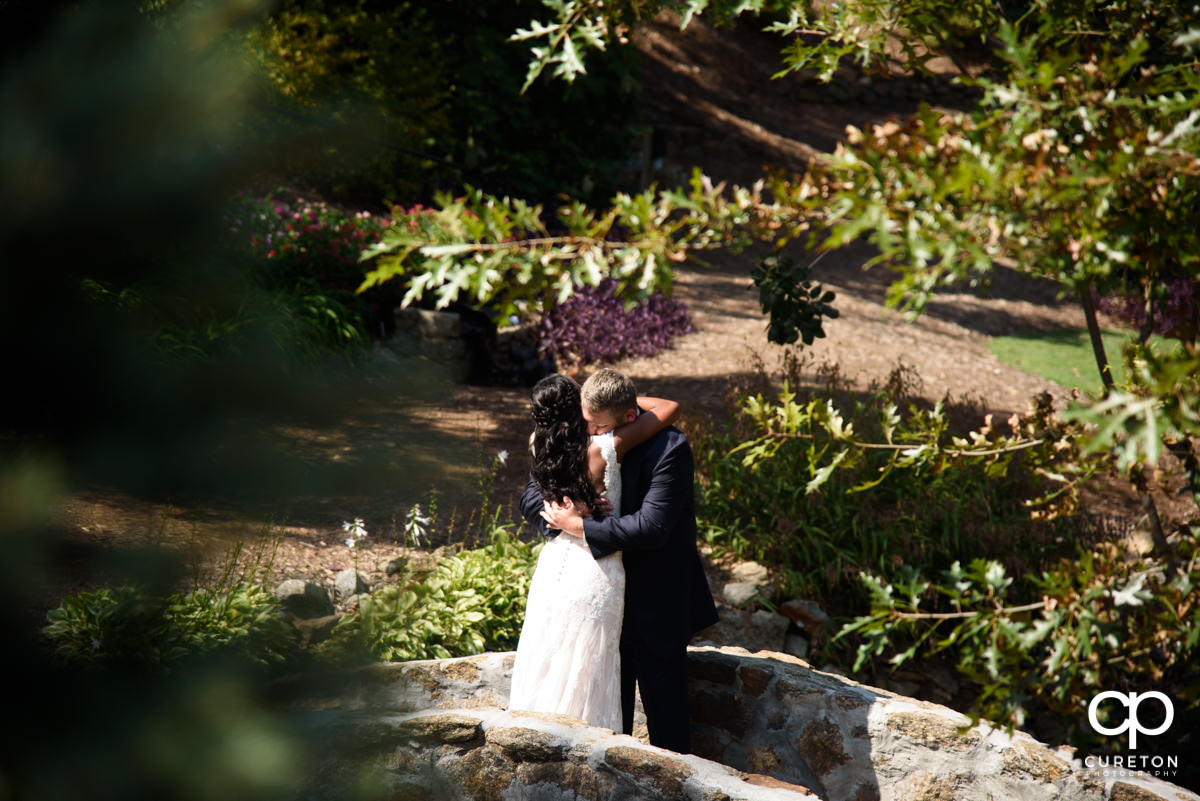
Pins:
x: 490, y: 755
x: 766, y: 727
x: 432, y: 335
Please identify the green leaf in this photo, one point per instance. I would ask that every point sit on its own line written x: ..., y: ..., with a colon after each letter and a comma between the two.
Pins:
x: 822, y: 475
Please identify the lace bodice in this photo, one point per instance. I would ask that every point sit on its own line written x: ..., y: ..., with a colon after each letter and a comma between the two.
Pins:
x: 612, y: 469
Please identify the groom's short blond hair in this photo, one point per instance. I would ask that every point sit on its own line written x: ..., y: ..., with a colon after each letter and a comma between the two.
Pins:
x: 606, y: 390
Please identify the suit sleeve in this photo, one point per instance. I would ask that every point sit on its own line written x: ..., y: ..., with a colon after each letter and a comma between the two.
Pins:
x: 531, y: 508
x: 651, y: 525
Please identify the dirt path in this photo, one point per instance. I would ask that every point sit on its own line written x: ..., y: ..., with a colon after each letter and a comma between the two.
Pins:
x: 444, y: 441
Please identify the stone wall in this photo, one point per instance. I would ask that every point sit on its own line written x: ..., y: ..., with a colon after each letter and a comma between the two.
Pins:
x: 765, y: 726
x: 467, y: 345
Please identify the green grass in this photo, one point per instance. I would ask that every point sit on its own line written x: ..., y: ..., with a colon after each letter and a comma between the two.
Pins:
x: 1066, y: 356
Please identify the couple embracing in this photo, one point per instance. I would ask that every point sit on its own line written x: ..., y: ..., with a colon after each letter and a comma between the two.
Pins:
x: 619, y: 590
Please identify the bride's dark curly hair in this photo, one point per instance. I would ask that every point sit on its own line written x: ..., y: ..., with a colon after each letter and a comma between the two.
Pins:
x: 560, y: 442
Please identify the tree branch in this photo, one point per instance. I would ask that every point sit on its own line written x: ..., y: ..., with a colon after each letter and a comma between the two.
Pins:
x: 1007, y: 610
x: 1020, y: 446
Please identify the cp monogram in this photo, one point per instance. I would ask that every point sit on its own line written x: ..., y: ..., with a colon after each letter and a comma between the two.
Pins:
x: 1131, y: 702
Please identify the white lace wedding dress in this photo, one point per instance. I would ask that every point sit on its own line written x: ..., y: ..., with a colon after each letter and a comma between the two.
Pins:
x: 568, y: 660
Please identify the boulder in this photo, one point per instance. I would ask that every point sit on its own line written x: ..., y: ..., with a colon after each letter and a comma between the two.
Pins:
x: 749, y: 572
x: 806, y: 614
x: 304, y: 599
x: 347, y: 583
x: 315, y: 630
x: 739, y: 593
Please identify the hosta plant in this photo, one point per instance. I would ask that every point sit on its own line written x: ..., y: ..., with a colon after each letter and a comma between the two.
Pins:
x: 471, y: 602
x: 129, y: 626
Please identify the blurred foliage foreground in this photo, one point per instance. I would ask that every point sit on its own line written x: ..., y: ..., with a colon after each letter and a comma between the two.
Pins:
x: 120, y: 142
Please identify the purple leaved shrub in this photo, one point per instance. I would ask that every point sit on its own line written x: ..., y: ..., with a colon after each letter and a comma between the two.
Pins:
x: 593, y: 325
x: 1176, y: 311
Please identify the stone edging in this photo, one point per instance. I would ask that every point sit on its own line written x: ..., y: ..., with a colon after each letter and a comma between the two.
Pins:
x: 765, y: 726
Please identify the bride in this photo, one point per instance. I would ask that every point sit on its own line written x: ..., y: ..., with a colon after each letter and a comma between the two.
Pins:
x: 568, y: 659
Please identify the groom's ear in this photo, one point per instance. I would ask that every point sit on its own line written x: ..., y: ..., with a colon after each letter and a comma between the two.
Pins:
x: 629, y: 416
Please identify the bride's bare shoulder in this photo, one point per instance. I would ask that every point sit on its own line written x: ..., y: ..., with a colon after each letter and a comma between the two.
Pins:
x: 595, y: 459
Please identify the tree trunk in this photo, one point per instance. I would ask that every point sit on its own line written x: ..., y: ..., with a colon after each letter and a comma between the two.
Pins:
x: 1089, y: 313
x: 1147, y: 324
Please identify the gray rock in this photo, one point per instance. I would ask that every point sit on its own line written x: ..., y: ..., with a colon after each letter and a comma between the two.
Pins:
x: 748, y: 579
x: 443, y: 349
x: 304, y: 599
x: 385, y: 356
x: 347, y: 583
x: 738, y: 593
x: 403, y: 345
x: 754, y: 631
x: 902, y: 687
x: 751, y: 572
x: 796, y: 645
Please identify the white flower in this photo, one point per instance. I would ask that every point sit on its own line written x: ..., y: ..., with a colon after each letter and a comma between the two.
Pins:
x: 994, y: 575
x: 95, y: 644
x: 417, y: 525
x: 502, y: 457
x: 357, y: 532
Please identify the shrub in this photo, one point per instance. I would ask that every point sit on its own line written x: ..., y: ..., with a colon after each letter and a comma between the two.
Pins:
x: 500, y: 574
x: 128, y: 626
x: 1175, y: 310
x: 1049, y: 643
x: 312, y: 248
x: 863, y: 518
x: 471, y: 602
x: 593, y: 325
x: 283, y: 278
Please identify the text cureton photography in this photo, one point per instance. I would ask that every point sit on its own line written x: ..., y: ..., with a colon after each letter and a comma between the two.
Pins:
x: 1125, y: 718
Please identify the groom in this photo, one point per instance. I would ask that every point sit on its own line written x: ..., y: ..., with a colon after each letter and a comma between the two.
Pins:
x: 667, y: 598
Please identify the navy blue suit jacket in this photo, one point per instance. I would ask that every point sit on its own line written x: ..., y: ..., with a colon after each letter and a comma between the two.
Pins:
x: 667, y: 598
